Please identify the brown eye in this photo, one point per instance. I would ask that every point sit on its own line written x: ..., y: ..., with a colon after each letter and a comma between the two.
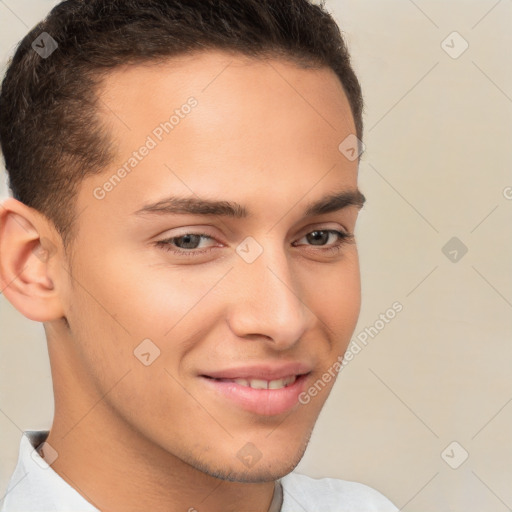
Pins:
x: 320, y: 237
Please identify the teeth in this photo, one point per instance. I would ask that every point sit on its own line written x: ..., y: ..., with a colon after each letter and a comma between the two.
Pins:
x: 282, y: 383
x: 265, y: 384
x: 258, y: 384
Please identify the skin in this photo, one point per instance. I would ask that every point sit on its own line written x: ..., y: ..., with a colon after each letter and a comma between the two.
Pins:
x: 133, y: 437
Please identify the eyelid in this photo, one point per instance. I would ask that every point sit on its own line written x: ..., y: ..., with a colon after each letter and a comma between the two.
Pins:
x: 319, y: 226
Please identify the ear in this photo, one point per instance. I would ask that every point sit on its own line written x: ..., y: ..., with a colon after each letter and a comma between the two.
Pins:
x: 29, y: 260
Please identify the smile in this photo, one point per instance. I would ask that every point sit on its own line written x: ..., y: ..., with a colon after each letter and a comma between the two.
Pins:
x: 258, y: 396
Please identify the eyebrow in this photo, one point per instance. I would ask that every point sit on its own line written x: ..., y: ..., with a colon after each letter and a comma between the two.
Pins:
x: 198, y: 206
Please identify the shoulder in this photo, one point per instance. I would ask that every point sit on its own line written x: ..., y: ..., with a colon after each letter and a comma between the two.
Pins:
x: 332, y: 494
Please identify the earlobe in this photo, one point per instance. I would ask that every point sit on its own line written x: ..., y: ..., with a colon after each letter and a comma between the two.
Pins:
x: 27, y: 258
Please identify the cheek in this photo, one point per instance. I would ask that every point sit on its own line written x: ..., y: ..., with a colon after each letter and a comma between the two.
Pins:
x: 147, y: 300
x: 334, y: 295
x: 116, y: 316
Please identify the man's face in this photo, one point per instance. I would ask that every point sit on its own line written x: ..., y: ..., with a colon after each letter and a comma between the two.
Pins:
x: 158, y: 334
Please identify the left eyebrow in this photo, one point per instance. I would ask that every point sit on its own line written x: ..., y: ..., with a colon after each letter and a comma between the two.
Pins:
x: 335, y: 202
x: 197, y: 206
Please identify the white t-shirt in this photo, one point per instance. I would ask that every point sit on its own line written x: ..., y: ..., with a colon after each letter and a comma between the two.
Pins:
x: 36, y: 487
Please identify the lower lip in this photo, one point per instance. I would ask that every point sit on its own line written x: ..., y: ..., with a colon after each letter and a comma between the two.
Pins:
x: 266, y: 402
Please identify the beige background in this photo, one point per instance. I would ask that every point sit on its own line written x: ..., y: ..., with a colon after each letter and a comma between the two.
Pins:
x: 437, y: 165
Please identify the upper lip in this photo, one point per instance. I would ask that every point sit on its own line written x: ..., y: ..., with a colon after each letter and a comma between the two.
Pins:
x: 261, y: 371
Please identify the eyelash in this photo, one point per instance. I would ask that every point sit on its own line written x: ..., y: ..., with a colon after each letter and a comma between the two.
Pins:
x: 343, y: 238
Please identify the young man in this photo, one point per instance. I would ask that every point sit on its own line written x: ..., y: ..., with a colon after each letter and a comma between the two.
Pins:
x: 184, y: 179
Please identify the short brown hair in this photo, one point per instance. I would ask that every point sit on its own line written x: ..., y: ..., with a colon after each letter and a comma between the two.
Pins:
x: 50, y: 134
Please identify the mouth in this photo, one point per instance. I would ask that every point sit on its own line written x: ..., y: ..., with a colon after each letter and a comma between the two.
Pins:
x: 266, y: 397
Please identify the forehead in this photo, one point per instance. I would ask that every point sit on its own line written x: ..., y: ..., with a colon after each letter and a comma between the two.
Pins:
x: 255, y: 125
x: 233, y: 91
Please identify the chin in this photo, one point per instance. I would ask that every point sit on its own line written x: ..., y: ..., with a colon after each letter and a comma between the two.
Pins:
x: 251, y: 476
x: 263, y: 470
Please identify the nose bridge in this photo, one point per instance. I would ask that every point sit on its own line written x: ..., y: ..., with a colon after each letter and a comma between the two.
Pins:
x: 268, y: 301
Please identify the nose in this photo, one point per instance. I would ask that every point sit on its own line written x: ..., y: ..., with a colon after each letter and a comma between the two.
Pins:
x: 267, y: 301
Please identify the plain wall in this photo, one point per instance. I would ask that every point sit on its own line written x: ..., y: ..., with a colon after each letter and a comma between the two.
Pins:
x: 437, y: 165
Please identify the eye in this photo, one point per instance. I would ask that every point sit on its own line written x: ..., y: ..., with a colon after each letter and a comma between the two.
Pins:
x: 189, y: 243
x: 319, y: 238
